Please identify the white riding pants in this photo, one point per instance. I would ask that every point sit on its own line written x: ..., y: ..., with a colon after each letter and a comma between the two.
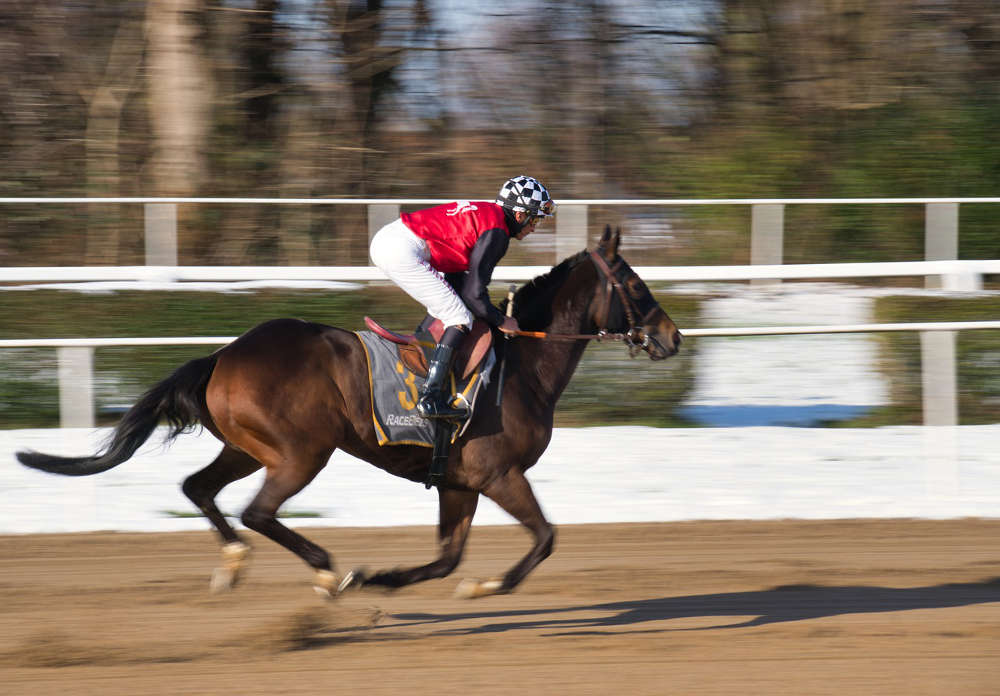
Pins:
x: 405, y: 258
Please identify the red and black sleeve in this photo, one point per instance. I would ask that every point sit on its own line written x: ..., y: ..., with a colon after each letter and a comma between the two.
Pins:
x: 485, y: 255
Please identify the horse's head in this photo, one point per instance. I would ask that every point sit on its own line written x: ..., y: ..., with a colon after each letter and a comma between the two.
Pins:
x: 625, y: 305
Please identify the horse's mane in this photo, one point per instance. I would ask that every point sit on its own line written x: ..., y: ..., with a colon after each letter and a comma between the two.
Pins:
x: 533, y: 301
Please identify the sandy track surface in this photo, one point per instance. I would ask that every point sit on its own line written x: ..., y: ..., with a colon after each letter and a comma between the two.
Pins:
x: 845, y: 607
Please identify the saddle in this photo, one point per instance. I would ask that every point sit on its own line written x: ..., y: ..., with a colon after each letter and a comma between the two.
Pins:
x: 415, y: 350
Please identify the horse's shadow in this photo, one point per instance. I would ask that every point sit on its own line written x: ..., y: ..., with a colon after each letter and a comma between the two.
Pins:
x: 777, y: 605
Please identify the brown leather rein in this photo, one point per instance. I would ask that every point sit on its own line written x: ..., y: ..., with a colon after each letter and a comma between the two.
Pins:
x: 635, y: 338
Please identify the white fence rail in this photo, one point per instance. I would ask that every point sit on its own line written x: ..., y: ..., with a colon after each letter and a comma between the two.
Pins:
x: 689, y: 333
x: 767, y: 220
x: 952, y: 274
x: 940, y: 399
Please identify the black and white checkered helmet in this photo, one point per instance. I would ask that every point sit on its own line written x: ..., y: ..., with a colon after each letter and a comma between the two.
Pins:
x: 526, y: 194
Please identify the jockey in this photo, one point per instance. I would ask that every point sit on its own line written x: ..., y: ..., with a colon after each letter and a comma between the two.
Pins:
x: 467, y: 238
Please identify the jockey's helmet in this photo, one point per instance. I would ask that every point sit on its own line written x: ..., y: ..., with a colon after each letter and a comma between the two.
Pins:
x: 525, y: 194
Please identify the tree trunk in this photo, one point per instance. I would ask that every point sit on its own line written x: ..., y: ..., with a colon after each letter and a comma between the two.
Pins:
x: 180, y: 95
x: 295, y: 241
x: 105, y: 103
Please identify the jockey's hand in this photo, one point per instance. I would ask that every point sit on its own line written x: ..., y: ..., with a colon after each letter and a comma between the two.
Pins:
x: 509, y: 325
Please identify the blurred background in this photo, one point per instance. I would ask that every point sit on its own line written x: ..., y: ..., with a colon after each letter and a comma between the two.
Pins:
x: 447, y: 99
x: 441, y: 98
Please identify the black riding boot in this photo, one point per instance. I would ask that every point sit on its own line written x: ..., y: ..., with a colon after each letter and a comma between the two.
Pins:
x: 434, y: 398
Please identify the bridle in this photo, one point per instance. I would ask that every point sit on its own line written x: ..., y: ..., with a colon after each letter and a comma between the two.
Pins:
x: 635, y: 338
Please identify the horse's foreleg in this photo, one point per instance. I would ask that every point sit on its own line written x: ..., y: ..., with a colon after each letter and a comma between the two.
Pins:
x: 201, y: 488
x: 513, y: 493
x: 261, y: 516
x: 456, y: 511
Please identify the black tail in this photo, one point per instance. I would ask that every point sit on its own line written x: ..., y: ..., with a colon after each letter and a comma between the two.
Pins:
x: 177, y: 399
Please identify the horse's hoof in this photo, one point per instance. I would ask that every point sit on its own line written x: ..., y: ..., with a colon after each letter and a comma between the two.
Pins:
x: 234, y: 556
x: 326, y: 584
x: 473, y: 589
x: 354, y: 579
x: 234, y: 559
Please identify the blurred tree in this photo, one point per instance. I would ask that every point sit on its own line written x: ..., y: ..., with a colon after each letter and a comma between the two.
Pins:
x: 846, y: 99
x: 105, y: 89
x: 68, y: 101
x: 180, y: 95
x: 262, y: 48
x: 247, y: 47
x: 369, y: 65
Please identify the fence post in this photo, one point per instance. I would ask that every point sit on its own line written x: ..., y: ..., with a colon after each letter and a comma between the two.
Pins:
x: 767, y: 233
x: 940, y: 404
x: 940, y: 237
x: 937, y: 368
x: 76, y: 390
x: 941, y: 244
x: 571, y: 230
x: 161, y: 234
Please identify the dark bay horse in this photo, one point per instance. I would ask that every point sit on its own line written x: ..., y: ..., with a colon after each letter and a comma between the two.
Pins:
x: 287, y: 393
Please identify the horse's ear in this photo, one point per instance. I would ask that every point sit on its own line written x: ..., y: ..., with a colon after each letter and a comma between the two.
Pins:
x: 608, y: 246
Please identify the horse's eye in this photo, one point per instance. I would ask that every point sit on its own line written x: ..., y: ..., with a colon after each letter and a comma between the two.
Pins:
x: 636, y: 288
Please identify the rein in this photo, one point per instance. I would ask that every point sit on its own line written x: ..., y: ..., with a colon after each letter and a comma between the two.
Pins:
x: 635, y: 338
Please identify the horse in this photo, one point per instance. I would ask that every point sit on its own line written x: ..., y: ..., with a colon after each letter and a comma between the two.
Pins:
x: 287, y: 393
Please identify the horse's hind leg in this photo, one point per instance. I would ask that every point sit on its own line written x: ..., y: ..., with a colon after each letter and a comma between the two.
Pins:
x: 457, y: 509
x: 513, y: 493
x: 201, y: 488
x: 282, y: 483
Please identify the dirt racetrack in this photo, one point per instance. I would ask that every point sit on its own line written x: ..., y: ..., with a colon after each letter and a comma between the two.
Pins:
x: 846, y: 607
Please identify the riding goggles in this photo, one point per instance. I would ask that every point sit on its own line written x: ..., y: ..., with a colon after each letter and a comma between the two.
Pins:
x: 546, y: 209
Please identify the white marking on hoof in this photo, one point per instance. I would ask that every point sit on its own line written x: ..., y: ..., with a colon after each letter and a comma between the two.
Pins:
x: 473, y: 589
x: 326, y: 583
x: 234, y: 555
